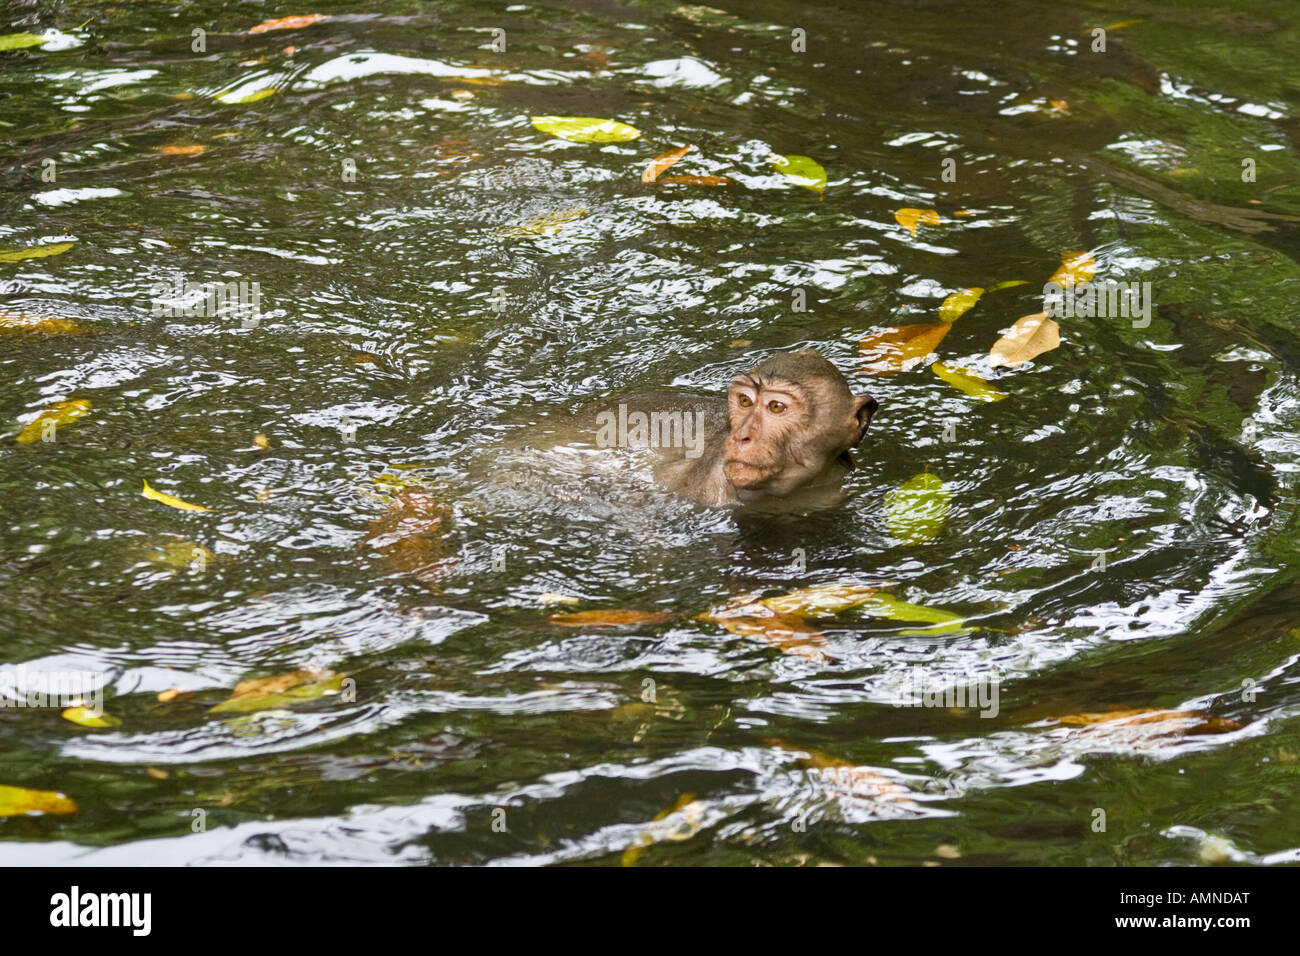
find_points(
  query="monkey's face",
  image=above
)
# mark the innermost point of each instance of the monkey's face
(785, 434)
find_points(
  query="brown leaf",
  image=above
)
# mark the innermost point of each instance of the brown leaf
(410, 535)
(289, 23)
(900, 347)
(13, 324)
(1030, 336)
(1163, 722)
(662, 162)
(785, 632)
(847, 776)
(614, 617)
(692, 180)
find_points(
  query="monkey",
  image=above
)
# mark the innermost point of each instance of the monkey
(782, 438)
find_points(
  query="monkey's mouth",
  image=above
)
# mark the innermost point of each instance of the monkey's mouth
(744, 474)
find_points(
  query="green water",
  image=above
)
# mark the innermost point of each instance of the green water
(476, 276)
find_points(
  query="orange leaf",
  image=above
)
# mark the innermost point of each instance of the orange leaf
(692, 180)
(1075, 267)
(1164, 721)
(410, 535)
(908, 218)
(662, 162)
(1030, 336)
(611, 618)
(182, 150)
(289, 23)
(13, 324)
(786, 632)
(900, 347)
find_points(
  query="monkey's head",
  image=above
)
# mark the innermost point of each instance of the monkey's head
(791, 417)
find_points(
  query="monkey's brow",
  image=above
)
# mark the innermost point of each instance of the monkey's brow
(758, 383)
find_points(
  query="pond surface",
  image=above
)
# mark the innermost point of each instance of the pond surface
(437, 277)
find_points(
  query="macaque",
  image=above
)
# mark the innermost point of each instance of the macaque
(784, 438)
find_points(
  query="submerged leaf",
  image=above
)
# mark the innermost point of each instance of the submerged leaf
(786, 632)
(410, 536)
(614, 617)
(272, 693)
(544, 225)
(900, 347)
(14, 324)
(845, 776)
(1163, 721)
(585, 129)
(959, 303)
(192, 150)
(692, 819)
(15, 801)
(85, 717)
(820, 601)
(1075, 267)
(289, 23)
(1030, 336)
(20, 41)
(968, 382)
(692, 180)
(242, 95)
(662, 162)
(56, 416)
(35, 252)
(887, 606)
(802, 171)
(916, 510)
(170, 500)
(1010, 283)
(908, 218)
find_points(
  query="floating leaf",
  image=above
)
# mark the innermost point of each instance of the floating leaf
(59, 414)
(289, 23)
(959, 303)
(909, 218)
(14, 324)
(19, 41)
(900, 347)
(35, 252)
(662, 162)
(545, 225)
(802, 171)
(191, 150)
(1075, 267)
(692, 180)
(968, 382)
(844, 775)
(85, 717)
(614, 617)
(15, 801)
(273, 693)
(693, 818)
(1030, 336)
(820, 601)
(585, 129)
(170, 500)
(241, 95)
(916, 510)
(261, 441)
(549, 599)
(1006, 285)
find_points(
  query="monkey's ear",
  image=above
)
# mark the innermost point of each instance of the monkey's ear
(864, 406)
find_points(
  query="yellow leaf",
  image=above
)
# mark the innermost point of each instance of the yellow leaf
(545, 225)
(261, 441)
(193, 150)
(1075, 267)
(959, 303)
(289, 23)
(1006, 285)
(647, 839)
(14, 324)
(20, 41)
(916, 510)
(968, 382)
(909, 218)
(35, 252)
(898, 348)
(237, 96)
(15, 801)
(58, 415)
(85, 717)
(170, 500)
(611, 618)
(273, 693)
(820, 601)
(585, 129)
(1030, 336)
(662, 162)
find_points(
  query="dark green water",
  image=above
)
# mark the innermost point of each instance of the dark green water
(409, 303)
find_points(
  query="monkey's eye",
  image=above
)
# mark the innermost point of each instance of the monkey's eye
(744, 400)
(775, 407)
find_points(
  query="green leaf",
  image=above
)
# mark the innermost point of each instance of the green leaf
(1007, 285)
(85, 717)
(916, 510)
(35, 252)
(802, 171)
(888, 606)
(19, 41)
(585, 129)
(274, 693)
